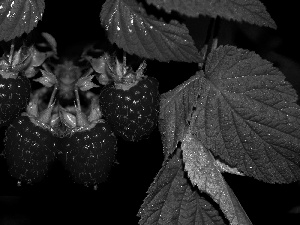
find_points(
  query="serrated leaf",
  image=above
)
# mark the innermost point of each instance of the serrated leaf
(203, 172)
(171, 200)
(175, 110)
(132, 29)
(19, 16)
(250, 11)
(247, 116)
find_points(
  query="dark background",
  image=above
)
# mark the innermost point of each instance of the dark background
(74, 24)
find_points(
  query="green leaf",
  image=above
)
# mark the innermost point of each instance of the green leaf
(250, 11)
(175, 110)
(17, 17)
(132, 29)
(203, 172)
(171, 200)
(248, 116)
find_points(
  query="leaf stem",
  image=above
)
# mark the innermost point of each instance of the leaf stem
(52, 96)
(12, 48)
(211, 38)
(124, 63)
(77, 99)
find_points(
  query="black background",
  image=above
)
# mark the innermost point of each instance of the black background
(57, 200)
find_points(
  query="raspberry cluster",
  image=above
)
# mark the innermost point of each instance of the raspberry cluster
(65, 119)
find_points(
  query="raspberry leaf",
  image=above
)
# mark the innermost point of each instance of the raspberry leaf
(250, 11)
(128, 25)
(203, 172)
(17, 17)
(248, 116)
(175, 109)
(171, 200)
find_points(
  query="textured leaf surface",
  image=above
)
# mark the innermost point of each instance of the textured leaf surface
(251, 11)
(247, 115)
(19, 16)
(175, 109)
(203, 172)
(137, 33)
(171, 200)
